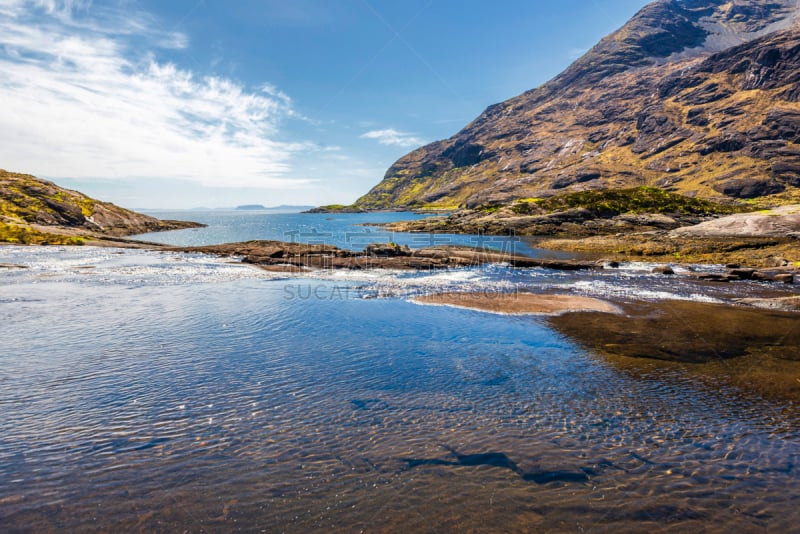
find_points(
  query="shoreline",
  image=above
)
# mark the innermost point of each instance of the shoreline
(761, 259)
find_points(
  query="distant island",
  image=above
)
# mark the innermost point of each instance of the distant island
(282, 207)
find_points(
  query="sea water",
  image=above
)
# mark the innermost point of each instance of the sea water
(149, 391)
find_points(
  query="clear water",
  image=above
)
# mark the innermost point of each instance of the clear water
(352, 231)
(168, 392)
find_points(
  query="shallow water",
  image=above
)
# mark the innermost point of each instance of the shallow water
(148, 391)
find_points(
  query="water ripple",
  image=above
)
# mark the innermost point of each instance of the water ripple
(135, 401)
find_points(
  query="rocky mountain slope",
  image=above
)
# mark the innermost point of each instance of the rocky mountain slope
(33, 210)
(699, 97)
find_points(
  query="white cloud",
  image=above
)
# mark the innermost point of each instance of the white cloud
(79, 101)
(392, 137)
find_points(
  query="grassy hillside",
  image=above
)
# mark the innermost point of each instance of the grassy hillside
(664, 102)
(35, 211)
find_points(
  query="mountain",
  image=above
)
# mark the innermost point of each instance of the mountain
(33, 210)
(699, 97)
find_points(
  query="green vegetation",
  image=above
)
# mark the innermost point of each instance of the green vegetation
(439, 207)
(27, 199)
(336, 207)
(34, 211)
(607, 203)
(490, 208)
(11, 233)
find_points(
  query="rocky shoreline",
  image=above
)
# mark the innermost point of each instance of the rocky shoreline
(296, 257)
(752, 239)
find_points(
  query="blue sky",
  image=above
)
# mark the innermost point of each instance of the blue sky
(179, 104)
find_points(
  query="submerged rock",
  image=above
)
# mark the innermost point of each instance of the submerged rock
(387, 250)
(687, 331)
(521, 303)
(780, 304)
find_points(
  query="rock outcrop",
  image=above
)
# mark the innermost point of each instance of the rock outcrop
(778, 222)
(33, 210)
(291, 257)
(695, 96)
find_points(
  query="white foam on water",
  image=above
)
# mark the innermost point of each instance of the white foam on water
(111, 265)
(602, 288)
(632, 281)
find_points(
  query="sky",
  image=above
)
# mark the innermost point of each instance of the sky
(215, 103)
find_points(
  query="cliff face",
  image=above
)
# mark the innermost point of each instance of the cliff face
(696, 96)
(36, 205)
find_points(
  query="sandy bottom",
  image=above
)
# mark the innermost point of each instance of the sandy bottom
(520, 303)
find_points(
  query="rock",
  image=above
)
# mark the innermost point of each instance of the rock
(291, 256)
(521, 303)
(783, 277)
(684, 331)
(749, 187)
(607, 264)
(51, 214)
(283, 268)
(742, 273)
(714, 277)
(778, 222)
(387, 250)
(727, 143)
(781, 304)
(663, 269)
(776, 261)
(655, 220)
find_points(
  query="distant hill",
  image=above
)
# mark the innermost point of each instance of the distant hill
(33, 210)
(699, 97)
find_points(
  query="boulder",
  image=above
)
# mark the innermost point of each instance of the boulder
(783, 277)
(742, 273)
(749, 187)
(663, 269)
(387, 250)
(776, 261)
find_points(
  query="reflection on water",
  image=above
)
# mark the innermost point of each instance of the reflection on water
(219, 401)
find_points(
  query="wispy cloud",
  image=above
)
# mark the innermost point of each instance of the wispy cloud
(84, 96)
(392, 137)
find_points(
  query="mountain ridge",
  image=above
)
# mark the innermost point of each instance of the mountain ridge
(620, 116)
